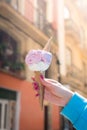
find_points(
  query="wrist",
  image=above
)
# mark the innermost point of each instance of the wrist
(70, 94)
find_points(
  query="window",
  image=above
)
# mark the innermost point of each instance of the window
(7, 114)
(8, 48)
(40, 13)
(7, 109)
(3, 114)
(11, 59)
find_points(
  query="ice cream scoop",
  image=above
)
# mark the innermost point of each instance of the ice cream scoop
(39, 61)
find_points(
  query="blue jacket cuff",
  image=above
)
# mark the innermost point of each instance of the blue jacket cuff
(74, 108)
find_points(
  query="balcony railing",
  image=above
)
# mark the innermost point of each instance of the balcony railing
(17, 69)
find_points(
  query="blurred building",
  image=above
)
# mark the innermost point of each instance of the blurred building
(22, 27)
(28, 24)
(76, 47)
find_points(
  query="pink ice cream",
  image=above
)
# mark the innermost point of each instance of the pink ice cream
(38, 60)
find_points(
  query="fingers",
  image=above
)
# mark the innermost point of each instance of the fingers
(49, 84)
(45, 82)
(48, 94)
(53, 99)
(35, 86)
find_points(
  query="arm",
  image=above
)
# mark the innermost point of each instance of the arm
(75, 106)
(76, 111)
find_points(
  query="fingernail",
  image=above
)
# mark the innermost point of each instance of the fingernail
(36, 87)
(41, 76)
(35, 84)
(37, 94)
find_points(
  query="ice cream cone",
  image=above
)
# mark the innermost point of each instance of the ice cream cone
(41, 89)
(47, 47)
(38, 73)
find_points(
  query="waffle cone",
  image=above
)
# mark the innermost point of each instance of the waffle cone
(38, 73)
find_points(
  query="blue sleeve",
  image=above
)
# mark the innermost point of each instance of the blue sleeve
(76, 111)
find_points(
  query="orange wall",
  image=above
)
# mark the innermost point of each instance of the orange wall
(31, 115)
(55, 118)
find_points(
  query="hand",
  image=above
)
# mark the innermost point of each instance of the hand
(55, 92)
